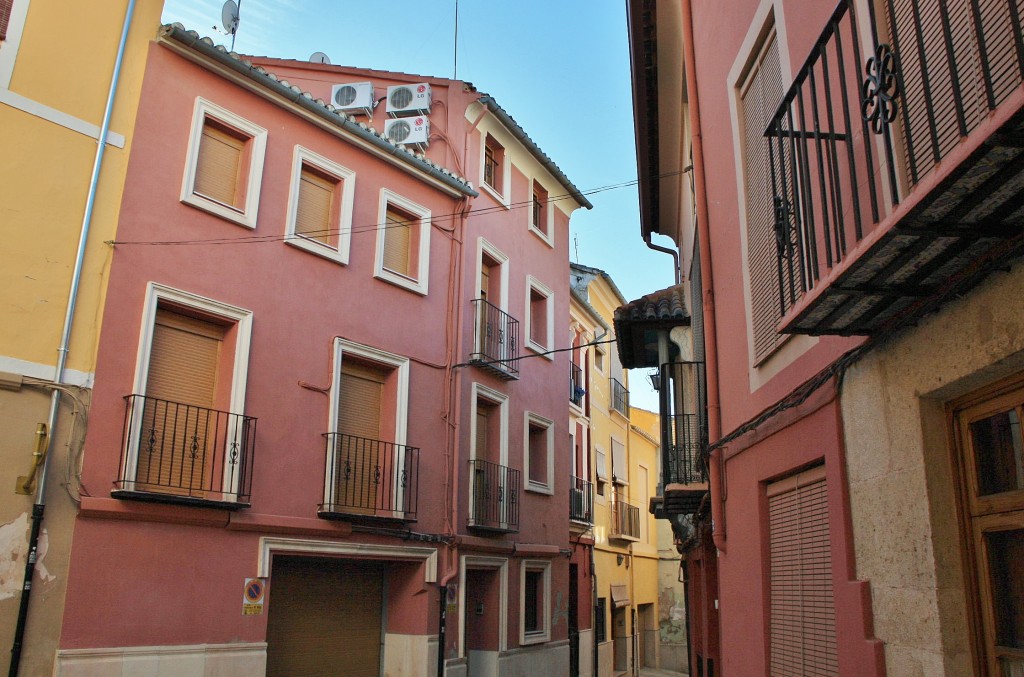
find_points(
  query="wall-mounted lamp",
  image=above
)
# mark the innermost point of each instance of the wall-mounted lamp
(655, 380)
(618, 559)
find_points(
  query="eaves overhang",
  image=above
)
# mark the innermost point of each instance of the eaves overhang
(520, 134)
(217, 58)
(638, 323)
(643, 58)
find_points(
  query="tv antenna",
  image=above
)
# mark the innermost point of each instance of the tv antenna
(319, 57)
(229, 19)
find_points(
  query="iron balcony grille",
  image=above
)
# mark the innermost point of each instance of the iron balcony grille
(494, 497)
(496, 340)
(175, 452)
(687, 460)
(576, 389)
(369, 478)
(620, 398)
(581, 501)
(625, 521)
(856, 133)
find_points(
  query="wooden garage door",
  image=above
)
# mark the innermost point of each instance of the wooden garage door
(803, 614)
(324, 618)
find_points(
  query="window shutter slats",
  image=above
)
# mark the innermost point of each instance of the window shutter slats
(313, 212)
(218, 165)
(5, 16)
(359, 406)
(397, 241)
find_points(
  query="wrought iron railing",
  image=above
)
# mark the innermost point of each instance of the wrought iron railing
(625, 520)
(853, 135)
(620, 398)
(576, 389)
(494, 496)
(683, 423)
(180, 452)
(581, 500)
(370, 478)
(496, 340)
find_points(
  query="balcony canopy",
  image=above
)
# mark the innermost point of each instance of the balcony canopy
(638, 323)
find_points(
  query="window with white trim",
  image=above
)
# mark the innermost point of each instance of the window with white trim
(320, 206)
(539, 453)
(224, 164)
(186, 425)
(601, 461)
(620, 471)
(403, 243)
(535, 602)
(5, 15)
(541, 213)
(540, 316)
(495, 169)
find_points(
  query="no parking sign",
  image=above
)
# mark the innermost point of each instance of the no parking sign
(253, 595)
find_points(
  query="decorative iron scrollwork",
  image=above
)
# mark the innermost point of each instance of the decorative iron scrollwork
(785, 229)
(880, 89)
(193, 448)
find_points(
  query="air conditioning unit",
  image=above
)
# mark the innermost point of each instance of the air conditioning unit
(353, 98)
(409, 131)
(406, 100)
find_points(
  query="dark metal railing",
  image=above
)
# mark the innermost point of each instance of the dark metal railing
(576, 389)
(179, 451)
(683, 423)
(620, 398)
(625, 520)
(852, 136)
(370, 477)
(581, 500)
(496, 340)
(494, 496)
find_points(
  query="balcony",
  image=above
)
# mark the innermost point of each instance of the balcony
(625, 524)
(495, 341)
(683, 437)
(494, 497)
(576, 389)
(581, 501)
(369, 479)
(179, 453)
(895, 193)
(620, 398)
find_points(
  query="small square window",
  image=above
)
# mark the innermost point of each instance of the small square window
(495, 174)
(320, 206)
(540, 213)
(599, 359)
(535, 619)
(539, 453)
(224, 164)
(540, 316)
(403, 243)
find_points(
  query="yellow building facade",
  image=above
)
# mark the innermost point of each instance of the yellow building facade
(622, 464)
(59, 64)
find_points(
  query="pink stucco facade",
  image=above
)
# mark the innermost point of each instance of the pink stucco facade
(166, 576)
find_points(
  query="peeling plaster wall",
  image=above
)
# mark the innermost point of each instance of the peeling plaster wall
(902, 487)
(673, 650)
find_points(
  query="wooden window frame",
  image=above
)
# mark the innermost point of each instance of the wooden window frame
(495, 154)
(541, 209)
(340, 220)
(535, 286)
(419, 244)
(250, 171)
(982, 514)
(543, 567)
(532, 421)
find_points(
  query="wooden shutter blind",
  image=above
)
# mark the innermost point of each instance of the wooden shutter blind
(928, 54)
(5, 16)
(619, 468)
(482, 432)
(803, 616)
(359, 407)
(398, 242)
(219, 163)
(759, 97)
(313, 213)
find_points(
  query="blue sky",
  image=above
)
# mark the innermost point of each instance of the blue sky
(560, 68)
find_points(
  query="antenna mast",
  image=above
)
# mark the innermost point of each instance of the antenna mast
(455, 69)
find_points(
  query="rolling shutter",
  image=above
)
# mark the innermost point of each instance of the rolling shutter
(803, 616)
(177, 439)
(5, 16)
(359, 414)
(324, 617)
(219, 164)
(313, 213)
(397, 243)
(759, 97)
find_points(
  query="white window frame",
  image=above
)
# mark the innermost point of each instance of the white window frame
(246, 216)
(9, 52)
(344, 191)
(485, 247)
(242, 321)
(549, 216)
(504, 194)
(619, 480)
(543, 635)
(480, 391)
(499, 564)
(535, 285)
(400, 365)
(600, 350)
(416, 284)
(538, 421)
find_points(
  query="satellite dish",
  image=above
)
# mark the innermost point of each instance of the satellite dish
(317, 57)
(229, 17)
